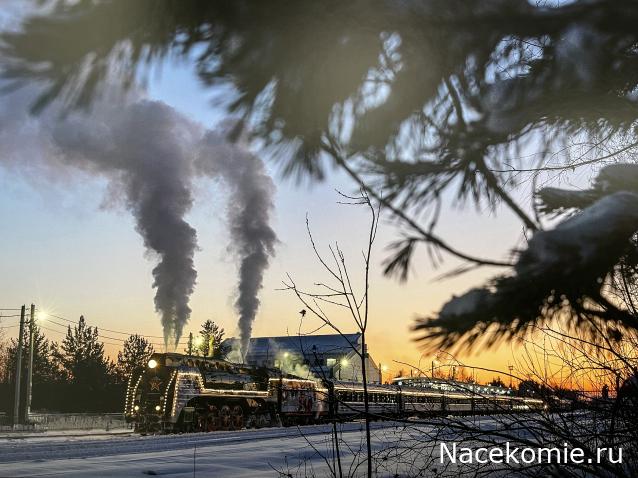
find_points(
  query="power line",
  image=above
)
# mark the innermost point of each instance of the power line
(114, 331)
(99, 329)
(102, 336)
(60, 332)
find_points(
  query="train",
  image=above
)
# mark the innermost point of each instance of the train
(185, 393)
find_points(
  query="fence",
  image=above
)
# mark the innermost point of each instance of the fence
(68, 421)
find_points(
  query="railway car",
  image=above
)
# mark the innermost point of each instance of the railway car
(349, 400)
(299, 401)
(185, 393)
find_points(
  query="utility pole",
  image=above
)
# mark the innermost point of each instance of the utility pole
(190, 343)
(16, 403)
(511, 367)
(27, 408)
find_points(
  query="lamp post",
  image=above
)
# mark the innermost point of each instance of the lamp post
(342, 364)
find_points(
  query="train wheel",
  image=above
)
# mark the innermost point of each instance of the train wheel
(224, 418)
(212, 423)
(262, 420)
(200, 423)
(237, 415)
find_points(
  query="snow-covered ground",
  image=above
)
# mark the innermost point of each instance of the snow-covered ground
(245, 453)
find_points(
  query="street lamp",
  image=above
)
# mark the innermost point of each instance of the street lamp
(383, 368)
(342, 364)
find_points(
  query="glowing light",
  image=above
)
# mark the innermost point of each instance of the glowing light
(385, 368)
(286, 354)
(41, 315)
(136, 408)
(344, 362)
(198, 341)
(157, 408)
(152, 363)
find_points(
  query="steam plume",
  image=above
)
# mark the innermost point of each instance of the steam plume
(249, 211)
(145, 148)
(151, 153)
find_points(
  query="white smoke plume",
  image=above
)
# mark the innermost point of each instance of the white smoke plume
(147, 150)
(249, 212)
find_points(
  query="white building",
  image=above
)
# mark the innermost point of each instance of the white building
(325, 356)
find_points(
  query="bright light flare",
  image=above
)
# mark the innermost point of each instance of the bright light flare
(152, 363)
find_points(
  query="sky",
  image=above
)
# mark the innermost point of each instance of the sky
(69, 252)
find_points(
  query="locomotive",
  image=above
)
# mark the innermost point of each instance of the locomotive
(184, 393)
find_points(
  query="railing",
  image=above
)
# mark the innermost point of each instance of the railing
(68, 421)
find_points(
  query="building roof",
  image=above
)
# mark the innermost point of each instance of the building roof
(323, 344)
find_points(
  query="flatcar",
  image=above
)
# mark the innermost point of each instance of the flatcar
(183, 393)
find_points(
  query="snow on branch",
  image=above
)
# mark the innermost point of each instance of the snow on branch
(563, 270)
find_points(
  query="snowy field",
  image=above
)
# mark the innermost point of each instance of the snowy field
(245, 453)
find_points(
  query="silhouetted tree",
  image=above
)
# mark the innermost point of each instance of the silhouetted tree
(529, 388)
(47, 378)
(81, 355)
(134, 355)
(86, 369)
(45, 368)
(341, 293)
(497, 382)
(4, 358)
(211, 335)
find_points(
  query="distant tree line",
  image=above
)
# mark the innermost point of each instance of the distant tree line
(75, 375)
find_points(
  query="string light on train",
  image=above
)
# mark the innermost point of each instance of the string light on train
(136, 407)
(128, 393)
(166, 393)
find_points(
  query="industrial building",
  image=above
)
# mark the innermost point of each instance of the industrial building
(325, 356)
